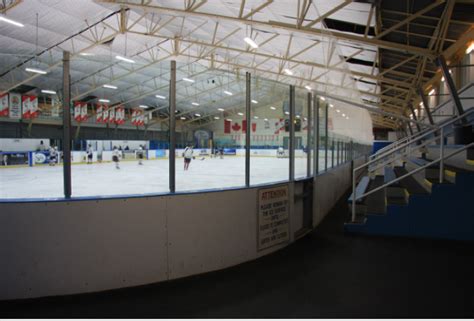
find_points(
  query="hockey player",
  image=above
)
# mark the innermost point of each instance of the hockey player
(140, 155)
(116, 155)
(53, 155)
(188, 155)
(90, 154)
(280, 152)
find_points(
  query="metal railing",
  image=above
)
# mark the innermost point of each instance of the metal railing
(405, 147)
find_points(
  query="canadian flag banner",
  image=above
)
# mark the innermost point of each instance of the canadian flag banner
(112, 115)
(34, 110)
(136, 117)
(105, 113)
(25, 106)
(99, 113)
(279, 126)
(84, 112)
(4, 105)
(77, 111)
(119, 116)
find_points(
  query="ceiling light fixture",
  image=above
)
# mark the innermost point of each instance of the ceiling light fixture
(322, 98)
(228, 93)
(266, 119)
(86, 54)
(188, 80)
(272, 108)
(36, 71)
(220, 109)
(228, 119)
(195, 104)
(216, 118)
(331, 105)
(251, 42)
(470, 48)
(143, 106)
(240, 114)
(51, 92)
(110, 86)
(288, 72)
(197, 115)
(125, 59)
(183, 118)
(432, 91)
(104, 100)
(254, 101)
(12, 22)
(442, 79)
(287, 113)
(160, 97)
(343, 115)
(338, 111)
(308, 87)
(256, 117)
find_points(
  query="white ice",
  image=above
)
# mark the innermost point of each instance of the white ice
(103, 179)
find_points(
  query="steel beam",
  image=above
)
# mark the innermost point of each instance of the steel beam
(66, 126)
(172, 128)
(248, 106)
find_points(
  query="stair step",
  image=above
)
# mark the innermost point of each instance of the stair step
(436, 181)
(376, 201)
(409, 183)
(396, 201)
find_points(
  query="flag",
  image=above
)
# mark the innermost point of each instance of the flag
(4, 105)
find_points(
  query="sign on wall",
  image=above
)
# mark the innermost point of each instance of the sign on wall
(15, 106)
(273, 216)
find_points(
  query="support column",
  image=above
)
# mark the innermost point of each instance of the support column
(309, 136)
(291, 144)
(449, 81)
(247, 127)
(326, 144)
(66, 125)
(415, 118)
(316, 134)
(426, 105)
(172, 128)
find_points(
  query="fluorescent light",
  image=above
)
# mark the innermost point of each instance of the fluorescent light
(195, 104)
(432, 91)
(251, 42)
(220, 109)
(442, 78)
(216, 118)
(188, 80)
(228, 93)
(305, 118)
(104, 100)
(331, 105)
(110, 86)
(183, 118)
(343, 115)
(347, 117)
(256, 117)
(308, 87)
(228, 119)
(288, 72)
(160, 97)
(272, 108)
(125, 59)
(254, 101)
(322, 98)
(287, 113)
(470, 48)
(36, 71)
(240, 114)
(338, 111)
(420, 104)
(51, 92)
(143, 106)
(12, 22)
(266, 119)
(298, 116)
(197, 115)
(86, 54)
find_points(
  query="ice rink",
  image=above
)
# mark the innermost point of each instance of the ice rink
(103, 179)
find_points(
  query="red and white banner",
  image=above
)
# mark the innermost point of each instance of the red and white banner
(84, 112)
(77, 111)
(134, 120)
(105, 114)
(112, 115)
(15, 106)
(4, 105)
(29, 107)
(34, 109)
(99, 113)
(119, 115)
(25, 107)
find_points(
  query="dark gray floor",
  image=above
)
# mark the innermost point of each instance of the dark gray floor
(326, 274)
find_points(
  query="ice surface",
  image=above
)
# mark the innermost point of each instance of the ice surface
(102, 179)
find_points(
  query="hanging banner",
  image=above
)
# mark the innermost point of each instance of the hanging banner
(4, 105)
(273, 216)
(112, 115)
(84, 112)
(25, 107)
(99, 113)
(55, 105)
(134, 117)
(105, 113)
(34, 109)
(77, 111)
(15, 106)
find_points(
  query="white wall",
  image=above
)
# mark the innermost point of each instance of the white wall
(22, 144)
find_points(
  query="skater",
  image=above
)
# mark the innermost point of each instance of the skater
(280, 152)
(5, 160)
(90, 154)
(116, 155)
(53, 154)
(188, 155)
(140, 155)
(221, 153)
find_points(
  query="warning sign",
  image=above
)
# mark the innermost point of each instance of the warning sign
(273, 216)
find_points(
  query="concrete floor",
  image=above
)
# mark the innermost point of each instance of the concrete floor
(326, 274)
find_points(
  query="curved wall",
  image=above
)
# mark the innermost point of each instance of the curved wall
(66, 247)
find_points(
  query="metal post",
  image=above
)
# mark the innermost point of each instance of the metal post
(452, 88)
(247, 127)
(292, 133)
(415, 118)
(326, 133)
(338, 153)
(66, 125)
(316, 135)
(441, 156)
(309, 136)
(172, 128)
(332, 153)
(426, 105)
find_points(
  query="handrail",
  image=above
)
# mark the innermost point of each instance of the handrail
(452, 121)
(441, 135)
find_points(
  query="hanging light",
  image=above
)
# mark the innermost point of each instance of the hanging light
(104, 100)
(228, 92)
(254, 101)
(288, 72)
(12, 22)
(251, 42)
(220, 109)
(110, 86)
(46, 91)
(160, 97)
(188, 80)
(125, 59)
(195, 104)
(36, 71)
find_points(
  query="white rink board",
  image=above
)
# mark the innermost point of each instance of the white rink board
(152, 177)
